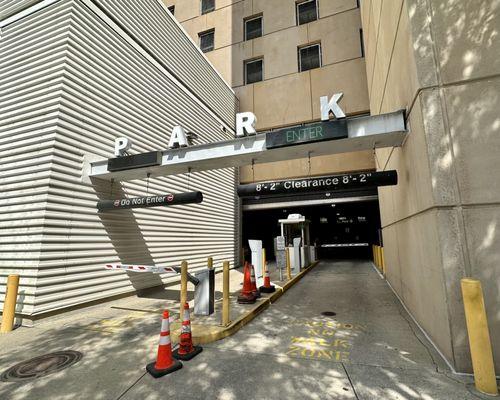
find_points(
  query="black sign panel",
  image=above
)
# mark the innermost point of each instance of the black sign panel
(151, 201)
(320, 184)
(136, 161)
(317, 132)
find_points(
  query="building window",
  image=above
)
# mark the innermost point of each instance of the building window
(307, 11)
(207, 40)
(362, 42)
(207, 6)
(309, 57)
(253, 28)
(254, 71)
(171, 9)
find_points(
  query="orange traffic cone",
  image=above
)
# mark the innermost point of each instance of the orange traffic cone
(267, 288)
(254, 284)
(186, 350)
(246, 295)
(164, 364)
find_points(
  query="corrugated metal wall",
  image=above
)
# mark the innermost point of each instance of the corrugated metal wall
(102, 86)
(166, 40)
(32, 56)
(9, 7)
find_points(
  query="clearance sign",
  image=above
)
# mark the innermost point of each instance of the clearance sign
(319, 184)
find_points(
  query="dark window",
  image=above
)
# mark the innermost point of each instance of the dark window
(207, 41)
(309, 57)
(171, 9)
(207, 6)
(306, 12)
(253, 71)
(253, 28)
(362, 41)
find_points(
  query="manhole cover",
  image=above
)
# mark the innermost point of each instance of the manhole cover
(41, 366)
(328, 314)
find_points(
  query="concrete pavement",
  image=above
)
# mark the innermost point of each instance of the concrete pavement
(369, 350)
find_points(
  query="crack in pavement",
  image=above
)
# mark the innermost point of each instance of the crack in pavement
(131, 386)
(350, 381)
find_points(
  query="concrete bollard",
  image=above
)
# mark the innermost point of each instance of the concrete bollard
(288, 266)
(225, 294)
(184, 282)
(210, 262)
(479, 337)
(9, 304)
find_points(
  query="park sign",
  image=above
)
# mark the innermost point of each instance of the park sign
(245, 126)
(150, 201)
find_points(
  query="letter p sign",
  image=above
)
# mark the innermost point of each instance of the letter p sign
(122, 144)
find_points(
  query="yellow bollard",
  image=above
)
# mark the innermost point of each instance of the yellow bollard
(479, 337)
(288, 266)
(210, 262)
(382, 259)
(376, 255)
(225, 294)
(184, 283)
(379, 257)
(9, 304)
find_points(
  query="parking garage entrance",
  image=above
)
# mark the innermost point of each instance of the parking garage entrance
(341, 226)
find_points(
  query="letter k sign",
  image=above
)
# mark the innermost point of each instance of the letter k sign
(327, 106)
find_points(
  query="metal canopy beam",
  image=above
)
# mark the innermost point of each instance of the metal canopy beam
(364, 133)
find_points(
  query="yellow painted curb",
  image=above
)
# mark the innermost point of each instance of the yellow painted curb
(203, 334)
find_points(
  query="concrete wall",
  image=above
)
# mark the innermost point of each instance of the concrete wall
(285, 96)
(439, 60)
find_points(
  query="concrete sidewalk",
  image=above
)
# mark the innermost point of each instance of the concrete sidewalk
(369, 350)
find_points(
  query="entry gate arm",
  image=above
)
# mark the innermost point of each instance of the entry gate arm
(364, 133)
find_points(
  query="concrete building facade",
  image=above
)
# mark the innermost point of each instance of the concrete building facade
(286, 96)
(439, 61)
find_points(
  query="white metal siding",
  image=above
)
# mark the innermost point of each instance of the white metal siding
(150, 24)
(9, 7)
(95, 86)
(31, 78)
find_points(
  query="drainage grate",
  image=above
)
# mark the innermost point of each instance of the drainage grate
(41, 366)
(328, 314)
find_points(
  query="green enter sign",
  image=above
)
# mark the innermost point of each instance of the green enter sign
(305, 134)
(317, 132)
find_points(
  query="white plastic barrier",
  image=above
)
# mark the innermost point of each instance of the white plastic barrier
(256, 248)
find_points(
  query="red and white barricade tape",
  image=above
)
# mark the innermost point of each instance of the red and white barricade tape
(142, 268)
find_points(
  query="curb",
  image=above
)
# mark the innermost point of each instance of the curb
(219, 332)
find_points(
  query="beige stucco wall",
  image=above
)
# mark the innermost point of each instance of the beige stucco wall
(285, 96)
(439, 60)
